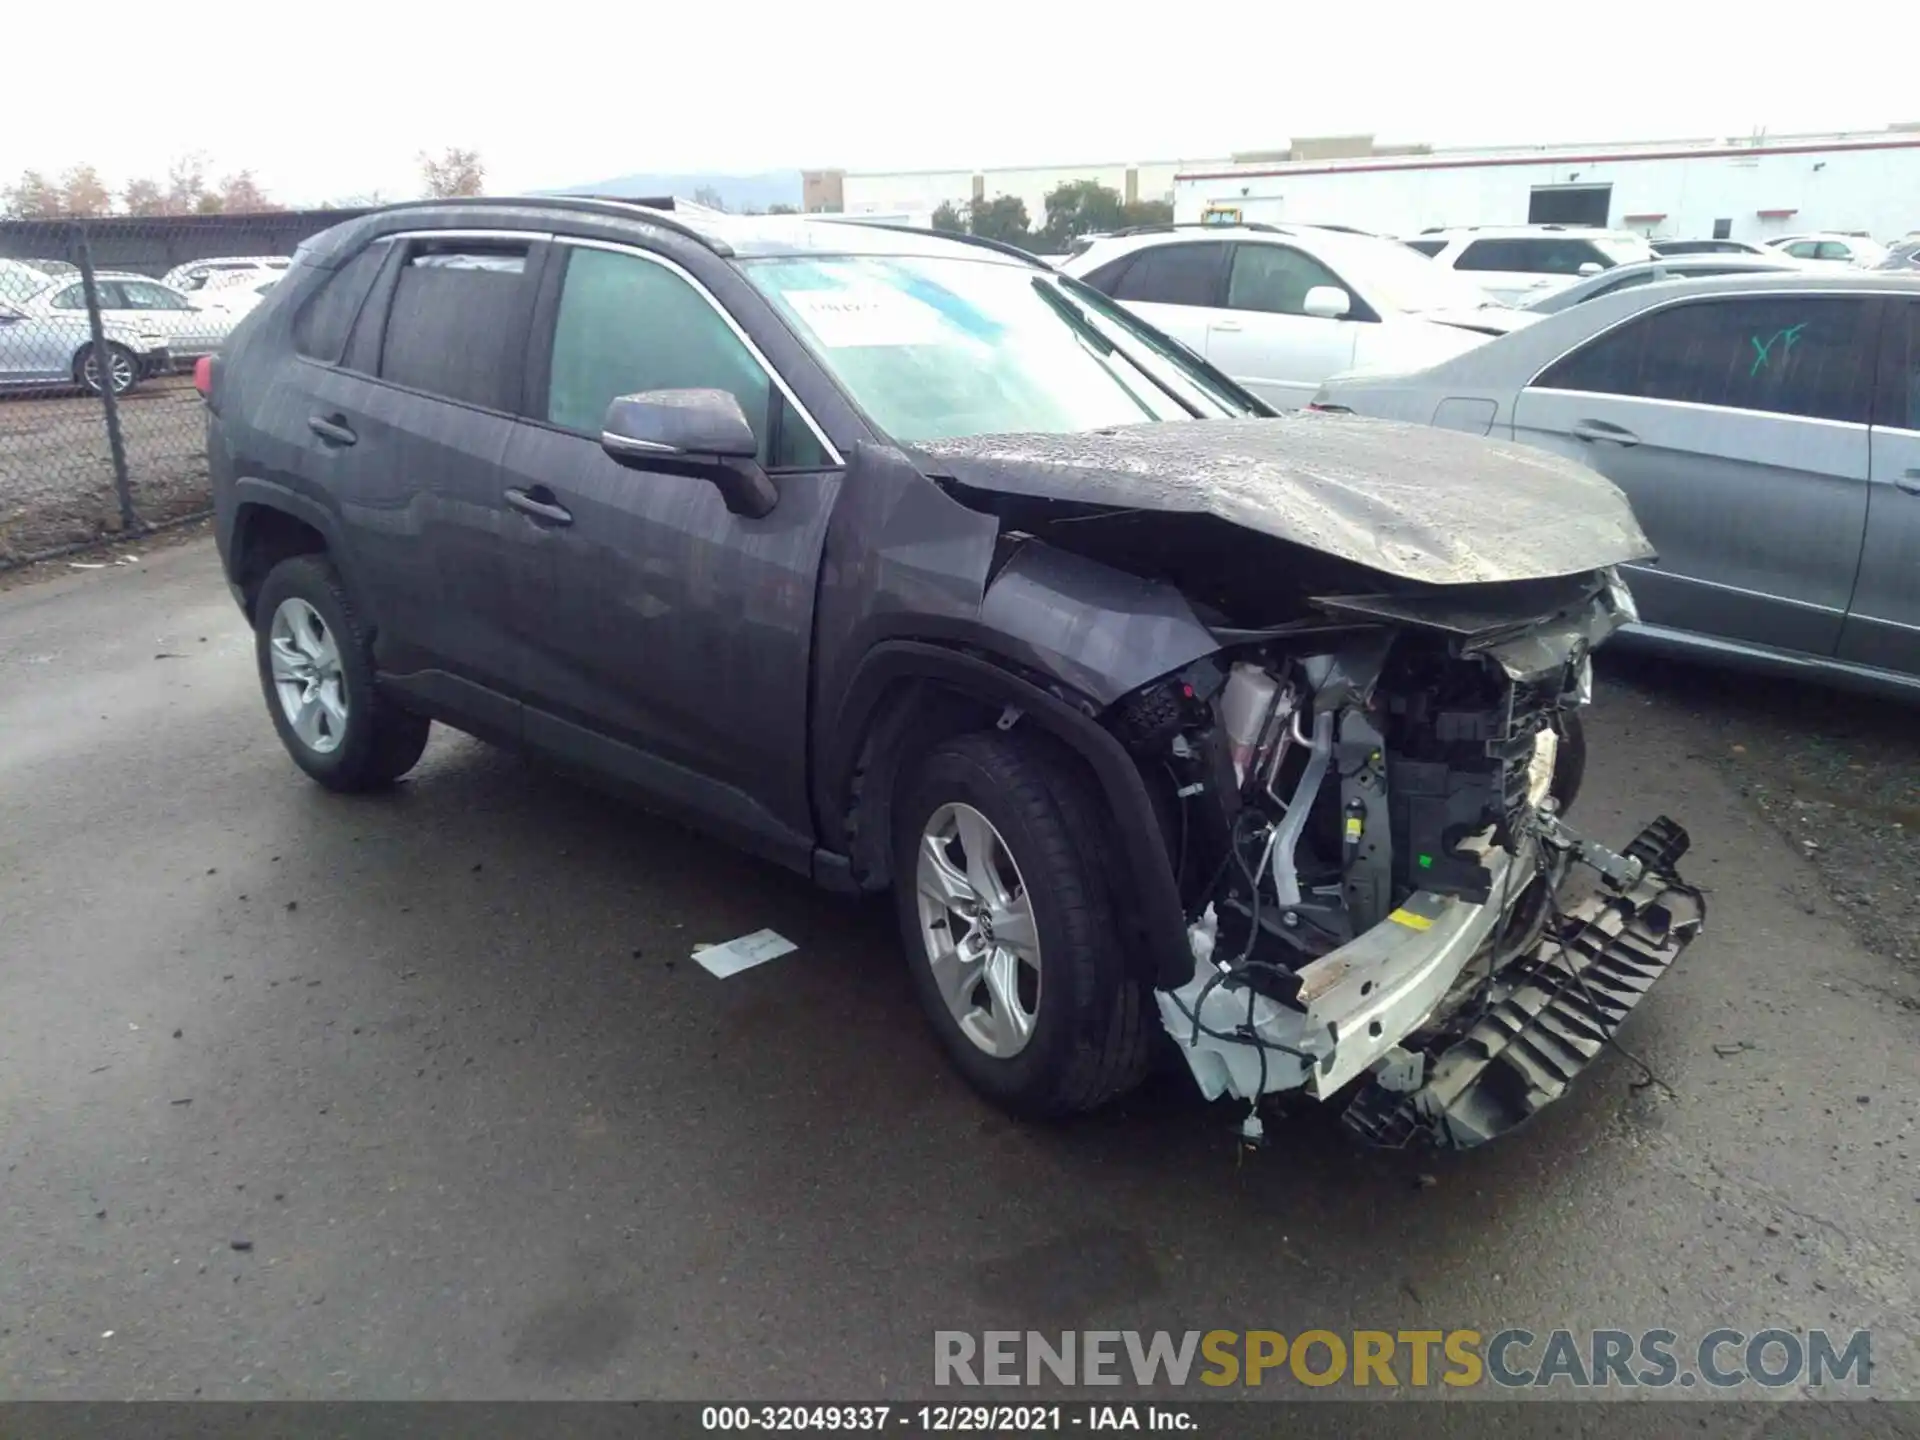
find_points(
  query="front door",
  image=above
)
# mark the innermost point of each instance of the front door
(1737, 428)
(1883, 626)
(675, 636)
(1265, 339)
(1177, 287)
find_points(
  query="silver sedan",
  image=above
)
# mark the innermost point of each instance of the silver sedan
(1651, 272)
(1766, 429)
(42, 350)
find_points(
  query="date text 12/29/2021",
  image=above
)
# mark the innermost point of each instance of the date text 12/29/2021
(946, 1419)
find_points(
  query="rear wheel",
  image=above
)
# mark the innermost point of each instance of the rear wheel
(122, 369)
(316, 668)
(1004, 908)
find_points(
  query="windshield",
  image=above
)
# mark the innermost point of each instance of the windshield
(1392, 276)
(934, 348)
(18, 281)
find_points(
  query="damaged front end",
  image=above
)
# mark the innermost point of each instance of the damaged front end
(1382, 891)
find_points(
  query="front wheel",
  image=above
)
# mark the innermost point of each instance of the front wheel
(316, 667)
(123, 369)
(1005, 910)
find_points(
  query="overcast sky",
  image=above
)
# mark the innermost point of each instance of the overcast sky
(331, 100)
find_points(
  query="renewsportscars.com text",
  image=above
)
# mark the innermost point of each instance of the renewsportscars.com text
(1512, 1358)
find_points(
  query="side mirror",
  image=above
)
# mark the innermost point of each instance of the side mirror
(1592, 267)
(1326, 302)
(701, 433)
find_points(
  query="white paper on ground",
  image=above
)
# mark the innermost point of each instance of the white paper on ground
(744, 953)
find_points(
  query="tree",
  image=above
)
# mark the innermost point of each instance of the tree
(778, 209)
(240, 194)
(33, 197)
(187, 186)
(1147, 212)
(1080, 207)
(143, 197)
(947, 216)
(83, 194)
(1002, 218)
(708, 196)
(452, 172)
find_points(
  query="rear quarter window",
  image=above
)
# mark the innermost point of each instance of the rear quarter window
(321, 328)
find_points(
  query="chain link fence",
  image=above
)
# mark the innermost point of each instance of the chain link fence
(101, 321)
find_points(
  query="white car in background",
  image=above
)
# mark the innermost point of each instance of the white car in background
(1824, 247)
(197, 274)
(1519, 263)
(1281, 308)
(143, 305)
(235, 293)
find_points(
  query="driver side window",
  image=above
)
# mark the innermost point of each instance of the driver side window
(627, 324)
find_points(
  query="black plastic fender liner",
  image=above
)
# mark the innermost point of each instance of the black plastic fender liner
(1149, 886)
(1559, 1006)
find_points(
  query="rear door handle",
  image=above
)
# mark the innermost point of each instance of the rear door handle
(1909, 482)
(332, 429)
(540, 504)
(1604, 430)
(1231, 327)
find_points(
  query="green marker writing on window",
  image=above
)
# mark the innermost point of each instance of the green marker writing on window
(1763, 352)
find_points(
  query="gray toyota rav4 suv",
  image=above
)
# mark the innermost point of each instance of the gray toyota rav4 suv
(912, 565)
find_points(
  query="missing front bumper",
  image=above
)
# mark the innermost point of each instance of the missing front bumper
(1548, 1014)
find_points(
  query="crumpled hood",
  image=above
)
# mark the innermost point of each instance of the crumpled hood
(1432, 506)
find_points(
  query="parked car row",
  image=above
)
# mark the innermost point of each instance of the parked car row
(149, 325)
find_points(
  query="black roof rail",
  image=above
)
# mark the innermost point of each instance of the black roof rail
(655, 210)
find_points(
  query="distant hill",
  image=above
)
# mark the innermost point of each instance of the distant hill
(736, 192)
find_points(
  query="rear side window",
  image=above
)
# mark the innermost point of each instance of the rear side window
(1189, 274)
(1899, 404)
(1787, 355)
(321, 328)
(1428, 248)
(626, 325)
(457, 320)
(1106, 277)
(1532, 256)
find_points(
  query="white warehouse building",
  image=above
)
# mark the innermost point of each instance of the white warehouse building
(900, 194)
(1740, 189)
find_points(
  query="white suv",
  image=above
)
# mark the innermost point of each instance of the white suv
(1855, 250)
(1518, 263)
(1282, 308)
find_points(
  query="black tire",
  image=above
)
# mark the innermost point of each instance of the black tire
(379, 742)
(1095, 1025)
(123, 369)
(1569, 759)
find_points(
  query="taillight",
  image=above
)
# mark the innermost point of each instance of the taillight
(203, 376)
(1328, 409)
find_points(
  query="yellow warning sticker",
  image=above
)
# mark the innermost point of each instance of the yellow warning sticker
(1411, 920)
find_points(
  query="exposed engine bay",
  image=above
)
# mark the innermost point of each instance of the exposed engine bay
(1377, 875)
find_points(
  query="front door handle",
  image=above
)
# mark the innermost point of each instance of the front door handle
(332, 429)
(1604, 430)
(1230, 327)
(1909, 483)
(540, 504)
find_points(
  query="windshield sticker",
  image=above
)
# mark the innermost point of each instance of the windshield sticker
(853, 316)
(1763, 352)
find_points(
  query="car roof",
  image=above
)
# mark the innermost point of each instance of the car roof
(727, 235)
(1525, 232)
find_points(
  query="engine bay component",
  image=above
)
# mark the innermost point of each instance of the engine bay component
(1384, 902)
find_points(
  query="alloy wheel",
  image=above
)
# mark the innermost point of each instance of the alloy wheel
(307, 676)
(978, 931)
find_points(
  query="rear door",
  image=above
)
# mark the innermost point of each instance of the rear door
(1737, 427)
(413, 423)
(1265, 339)
(1883, 626)
(1179, 287)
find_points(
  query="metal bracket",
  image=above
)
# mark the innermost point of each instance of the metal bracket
(1400, 1070)
(1620, 871)
(1009, 718)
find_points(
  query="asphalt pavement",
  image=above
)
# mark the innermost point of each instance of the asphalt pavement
(422, 1096)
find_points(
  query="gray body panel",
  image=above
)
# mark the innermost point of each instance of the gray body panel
(1786, 543)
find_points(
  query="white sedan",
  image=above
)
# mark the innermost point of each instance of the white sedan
(1281, 308)
(140, 303)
